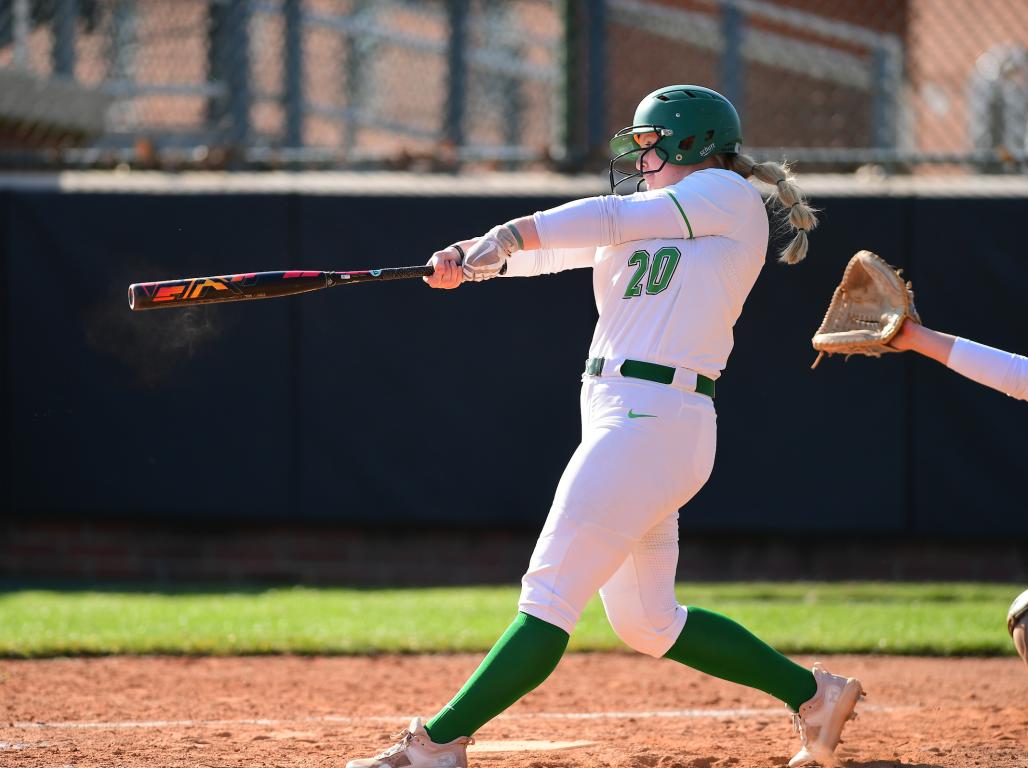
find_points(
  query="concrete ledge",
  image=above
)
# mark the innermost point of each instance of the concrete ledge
(409, 184)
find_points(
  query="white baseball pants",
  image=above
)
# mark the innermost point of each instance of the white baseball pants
(646, 449)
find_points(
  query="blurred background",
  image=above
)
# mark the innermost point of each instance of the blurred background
(910, 85)
(334, 438)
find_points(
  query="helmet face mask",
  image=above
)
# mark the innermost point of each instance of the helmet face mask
(680, 124)
(629, 146)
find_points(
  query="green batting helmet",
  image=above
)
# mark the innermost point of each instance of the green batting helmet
(682, 124)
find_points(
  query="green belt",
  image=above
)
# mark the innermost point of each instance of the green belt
(662, 374)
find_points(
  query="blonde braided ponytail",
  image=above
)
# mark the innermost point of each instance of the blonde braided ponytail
(801, 216)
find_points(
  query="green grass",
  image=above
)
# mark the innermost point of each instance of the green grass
(937, 619)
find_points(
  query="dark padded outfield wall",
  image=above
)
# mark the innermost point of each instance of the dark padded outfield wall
(788, 436)
(427, 406)
(6, 363)
(161, 413)
(392, 404)
(968, 459)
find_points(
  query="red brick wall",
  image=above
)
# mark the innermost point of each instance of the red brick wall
(169, 555)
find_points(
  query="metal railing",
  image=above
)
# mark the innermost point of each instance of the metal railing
(502, 83)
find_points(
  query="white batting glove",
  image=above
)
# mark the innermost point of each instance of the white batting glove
(488, 257)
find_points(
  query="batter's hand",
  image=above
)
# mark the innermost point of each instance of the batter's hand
(447, 264)
(487, 258)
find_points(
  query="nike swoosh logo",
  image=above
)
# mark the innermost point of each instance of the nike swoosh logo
(633, 415)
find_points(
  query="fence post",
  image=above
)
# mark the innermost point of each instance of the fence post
(123, 40)
(293, 92)
(505, 91)
(123, 57)
(238, 80)
(456, 97)
(597, 103)
(569, 128)
(228, 63)
(883, 128)
(359, 64)
(217, 66)
(65, 18)
(20, 29)
(733, 23)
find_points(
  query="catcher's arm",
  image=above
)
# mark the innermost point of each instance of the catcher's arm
(914, 337)
(1003, 371)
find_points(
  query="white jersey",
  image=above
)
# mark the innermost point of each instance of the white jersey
(671, 267)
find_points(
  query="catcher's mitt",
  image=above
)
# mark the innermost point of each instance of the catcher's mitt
(1017, 624)
(867, 310)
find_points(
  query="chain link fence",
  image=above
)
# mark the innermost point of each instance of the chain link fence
(904, 85)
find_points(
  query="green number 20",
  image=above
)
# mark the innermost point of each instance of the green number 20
(661, 270)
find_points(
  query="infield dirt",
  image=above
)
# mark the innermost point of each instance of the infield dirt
(638, 712)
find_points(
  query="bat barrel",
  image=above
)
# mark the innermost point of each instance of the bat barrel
(223, 288)
(254, 285)
(142, 295)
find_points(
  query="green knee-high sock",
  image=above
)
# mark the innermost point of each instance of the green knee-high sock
(522, 658)
(716, 645)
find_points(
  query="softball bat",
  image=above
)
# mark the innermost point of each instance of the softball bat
(191, 291)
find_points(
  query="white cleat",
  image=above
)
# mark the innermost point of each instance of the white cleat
(820, 721)
(416, 750)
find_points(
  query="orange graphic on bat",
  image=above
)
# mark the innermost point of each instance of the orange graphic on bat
(208, 283)
(168, 292)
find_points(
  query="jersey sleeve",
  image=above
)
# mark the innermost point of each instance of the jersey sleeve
(546, 261)
(609, 220)
(714, 203)
(711, 202)
(1003, 371)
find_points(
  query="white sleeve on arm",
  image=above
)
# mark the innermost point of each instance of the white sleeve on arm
(610, 220)
(714, 202)
(546, 261)
(705, 203)
(1003, 371)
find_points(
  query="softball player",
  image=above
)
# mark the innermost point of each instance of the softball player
(672, 267)
(1003, 371)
